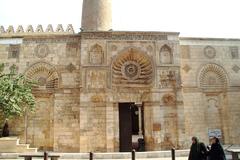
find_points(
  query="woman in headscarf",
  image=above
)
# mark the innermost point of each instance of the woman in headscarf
(216, 151)
(198, 150)
(5, 132)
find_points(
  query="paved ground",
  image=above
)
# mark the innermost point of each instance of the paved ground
(177, 158)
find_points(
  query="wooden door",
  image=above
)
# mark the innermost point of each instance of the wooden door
(125, 127)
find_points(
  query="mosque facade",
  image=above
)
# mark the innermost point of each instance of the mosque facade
(103, 90)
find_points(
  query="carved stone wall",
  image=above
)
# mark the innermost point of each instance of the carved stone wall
(82, 78)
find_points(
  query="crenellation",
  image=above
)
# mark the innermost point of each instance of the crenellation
(49, 28)
(29, 29)
(2, 29)
(59, 28)
(10, 29)
(39, 29)
(20, 31)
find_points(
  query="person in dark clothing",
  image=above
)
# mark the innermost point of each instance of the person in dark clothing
(216, 151)
(5, 132)
(198, 150)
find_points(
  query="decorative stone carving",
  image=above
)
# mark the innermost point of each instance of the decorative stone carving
(236, 68)
(210, 52)
(212, 76)
(166, 56)
(14, 51)
(131, 70)
(124, 36)
(42, 81)
(71, 67)
(96, 55)
(96, 79)
(186, 68)
(169, 78)
(71, 49)
(114, 48)
(44, 74)
(169, 99)
(213, 114)
(132, 67)
(150, 49)
(42, 50)
(234, 52)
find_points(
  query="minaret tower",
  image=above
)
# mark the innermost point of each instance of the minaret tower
(97, 15)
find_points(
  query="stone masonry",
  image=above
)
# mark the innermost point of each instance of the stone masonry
(187, 86)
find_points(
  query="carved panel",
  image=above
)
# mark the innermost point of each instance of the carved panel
(236, 68)
(234, 52)
(210, 52)
(14, 51)
(132, 67)
(186, 68)
(71, 67)
(96, 79)
(166, 56)
(96, 55)
(169, 99)
(169, 78)
(42, 50)
(71, 49)
(213, 113)
(212, 76)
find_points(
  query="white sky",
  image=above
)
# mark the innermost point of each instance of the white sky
(194, 18)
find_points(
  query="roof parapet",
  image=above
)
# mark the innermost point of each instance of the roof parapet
(29, 31)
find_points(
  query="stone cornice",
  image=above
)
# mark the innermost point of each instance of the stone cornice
(122, 35)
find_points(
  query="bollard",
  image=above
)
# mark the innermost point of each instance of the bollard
(45, 156)
(133, 154)
(234, 156)
(173, 154)
(90, 156)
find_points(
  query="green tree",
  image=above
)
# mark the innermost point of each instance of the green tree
(16, 98)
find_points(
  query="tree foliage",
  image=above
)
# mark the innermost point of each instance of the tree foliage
(16, 96)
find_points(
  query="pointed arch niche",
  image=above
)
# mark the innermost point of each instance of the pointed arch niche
(166, 55)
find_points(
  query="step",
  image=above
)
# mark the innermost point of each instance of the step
(8, 144)
(11, 145)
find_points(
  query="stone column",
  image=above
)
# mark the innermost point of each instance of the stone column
(97, 15)
(140, 119)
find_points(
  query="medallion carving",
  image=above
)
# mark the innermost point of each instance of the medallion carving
(210, 52)
(131, 70)
(42, 50)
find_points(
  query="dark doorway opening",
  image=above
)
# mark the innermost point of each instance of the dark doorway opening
(130, 126)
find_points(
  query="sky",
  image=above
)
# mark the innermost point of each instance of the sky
(192, 18)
